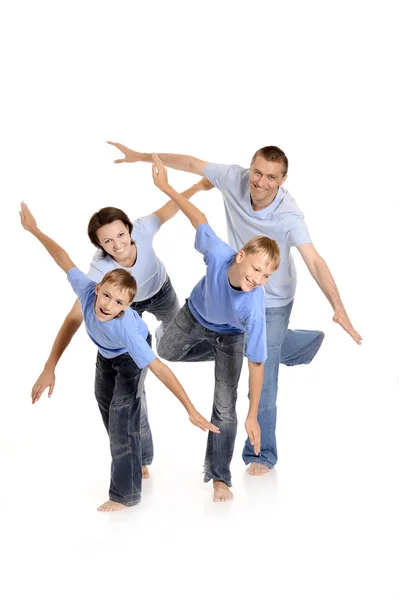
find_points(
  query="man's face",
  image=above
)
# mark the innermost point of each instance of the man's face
(264, 180)
(110, 301)
(253, 270)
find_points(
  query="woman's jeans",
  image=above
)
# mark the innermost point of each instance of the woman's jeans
(186, 340)
(288, 347)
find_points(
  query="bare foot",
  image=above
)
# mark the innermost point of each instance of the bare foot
(221, 492)
(145, 472)
(258, 469)
(110, 506)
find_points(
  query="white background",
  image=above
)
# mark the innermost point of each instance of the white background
(216, 80)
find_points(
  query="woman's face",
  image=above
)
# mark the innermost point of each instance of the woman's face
(115, 239)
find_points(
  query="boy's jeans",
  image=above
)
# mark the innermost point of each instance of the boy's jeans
(186, 340)
(119, 385)
(288, 347)
(164, 305)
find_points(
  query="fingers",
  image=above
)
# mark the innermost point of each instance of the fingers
(121, 148)
(51, 388)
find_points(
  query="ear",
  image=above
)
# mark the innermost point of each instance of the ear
(239, 256)
(97, 288)
(284, 178)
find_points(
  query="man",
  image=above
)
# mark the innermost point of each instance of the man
(257, 204)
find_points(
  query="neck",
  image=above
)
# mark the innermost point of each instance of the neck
(261, 204)
(233, 277)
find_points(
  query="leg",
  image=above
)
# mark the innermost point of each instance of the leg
(147, 446)
(164, 306)
(276, 326)
(229, 351)
(300, 346)
(185, 340)
(124, 434)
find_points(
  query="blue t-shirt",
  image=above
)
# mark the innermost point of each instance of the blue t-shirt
(282, 221)
(221, 308)
(127, 333)
(148, 270)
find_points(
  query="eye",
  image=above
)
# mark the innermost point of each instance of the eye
(121, 234)
(106, 242)
(119, 302)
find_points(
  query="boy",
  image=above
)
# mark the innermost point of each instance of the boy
(122, 361)
(226, 308)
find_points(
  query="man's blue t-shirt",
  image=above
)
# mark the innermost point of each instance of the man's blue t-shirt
(221, 308)
(282, 221)
(127, 333)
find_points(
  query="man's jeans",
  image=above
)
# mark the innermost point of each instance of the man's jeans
(186, 340)
(119, 385)
(288, 347)
(164, 305)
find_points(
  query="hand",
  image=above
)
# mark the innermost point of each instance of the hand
(130, 155)
(204, 184)
(253, 431)
(342, 319)
(27, 219)
(199, 421)
(159, 173)
(46, 380)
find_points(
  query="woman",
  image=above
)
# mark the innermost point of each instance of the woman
(122, 243)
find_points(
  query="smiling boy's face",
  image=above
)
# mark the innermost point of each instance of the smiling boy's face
(110, 301)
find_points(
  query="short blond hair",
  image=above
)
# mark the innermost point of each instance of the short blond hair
(261, 244)
(123, 280)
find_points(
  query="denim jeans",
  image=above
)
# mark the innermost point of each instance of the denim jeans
(119, 385)
(164, 305)
(186, 340)
(288, 347)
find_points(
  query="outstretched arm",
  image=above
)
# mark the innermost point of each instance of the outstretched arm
(164, 374)
(160, 178)
(69, 327)
(170, 209)
(181, 162)
(321, 274)
(256, 371)
(60, 256)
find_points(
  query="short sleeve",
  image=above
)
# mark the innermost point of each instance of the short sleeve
(80, 282)
(296, 232)
(149, 225)
(138, 349)
(216, 173)
(207, 242)
(256, 344)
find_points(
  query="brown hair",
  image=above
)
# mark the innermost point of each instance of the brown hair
(105, 216)
(123, 280)
(273, 154)
(261, 244)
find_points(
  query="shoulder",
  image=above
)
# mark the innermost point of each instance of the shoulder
(206, 240)
(227, 174)
(147, 225)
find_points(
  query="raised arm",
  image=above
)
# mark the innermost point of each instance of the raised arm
(69, 327)
(181, 162)
(160, 178)
(321, 274)
(170, 209)
(59, 255)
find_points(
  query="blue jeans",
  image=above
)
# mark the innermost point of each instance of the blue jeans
(186, 340)
(288, 347)
(118, 387)
(164, 305)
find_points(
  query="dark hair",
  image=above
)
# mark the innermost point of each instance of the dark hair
(273, 154)
(105, 216)
(123, 280)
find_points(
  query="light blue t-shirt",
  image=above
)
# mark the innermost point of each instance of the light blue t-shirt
(148, 270)
(221, 308)
(127, 333)
(282, 221)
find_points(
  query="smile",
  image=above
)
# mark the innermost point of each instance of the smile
(249, 282)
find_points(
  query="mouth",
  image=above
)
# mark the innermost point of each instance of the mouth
(252, 285)
(257, 187)
(104, 313)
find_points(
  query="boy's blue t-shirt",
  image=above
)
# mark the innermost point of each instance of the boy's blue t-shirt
(127, 333)
(220, 307)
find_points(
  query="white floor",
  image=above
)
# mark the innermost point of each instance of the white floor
(323, 524)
